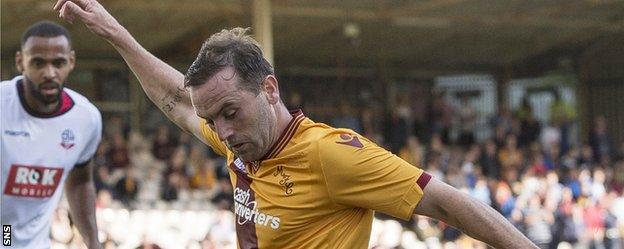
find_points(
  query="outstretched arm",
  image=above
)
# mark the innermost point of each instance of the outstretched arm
(474, 218)
(163, 84)
(80, 193)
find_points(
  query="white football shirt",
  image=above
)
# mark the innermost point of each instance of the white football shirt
(37, 153)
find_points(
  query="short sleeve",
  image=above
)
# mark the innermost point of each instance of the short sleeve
(94, 138)
(212, 139)
(360, 173)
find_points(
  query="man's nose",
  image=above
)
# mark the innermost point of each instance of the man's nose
(224, 130)
(49, 72)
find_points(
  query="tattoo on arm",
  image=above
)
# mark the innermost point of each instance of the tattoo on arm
(171, 99)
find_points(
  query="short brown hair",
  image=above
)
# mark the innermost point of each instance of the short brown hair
(230, 48)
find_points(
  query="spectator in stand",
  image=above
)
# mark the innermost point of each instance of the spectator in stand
(116, 125)
(413, 152)
(371, 126)
(620, 152)
(204, 178)
(104, 199)
(529, 129)
(396, 130)
(164, 143)
(550, 136)
(481, 191)
(586, 158)
(537, 164)
(594, 220)
(440, 115)
(502, 119)
(617, 182)
(467, 118)
(118, 153)
(346, 118)
(565, 228)
(127, 188)
(505, 201)
(436, 147)
(184, 140)
(597, 187)
(489, 161)
(538, 223)
(600, 141)
(469, 170)
(562, 114)
(100, 159)
(570, 159)
(552, 157)
(177, 163)
(223, 199)
(171, 187)
(102, 166)
(433, 166)
(294, 101)
(511, 159)
(102, 179)
(197, 156)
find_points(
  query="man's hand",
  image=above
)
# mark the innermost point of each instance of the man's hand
(92, 14)
(163, 84)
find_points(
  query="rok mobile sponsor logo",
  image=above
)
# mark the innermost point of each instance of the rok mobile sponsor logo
(246, 211)
(32, 181)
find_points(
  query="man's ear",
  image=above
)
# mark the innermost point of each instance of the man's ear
(72, 60)
(18, 61)
(272, 89)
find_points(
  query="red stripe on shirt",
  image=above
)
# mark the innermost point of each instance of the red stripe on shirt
(423, 180)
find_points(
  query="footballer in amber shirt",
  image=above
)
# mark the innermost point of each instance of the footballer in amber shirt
(317, 187)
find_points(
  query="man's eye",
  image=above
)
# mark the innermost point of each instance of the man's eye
(230, 114)
(38, 63)
(60, 63)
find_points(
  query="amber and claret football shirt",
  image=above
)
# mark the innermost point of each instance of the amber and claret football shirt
(317, 187)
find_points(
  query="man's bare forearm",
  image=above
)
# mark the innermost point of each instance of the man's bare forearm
(484, 223)
(80, 193)
(163, 84)
(474, 218)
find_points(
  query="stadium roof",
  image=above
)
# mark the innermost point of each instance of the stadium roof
(429, 35)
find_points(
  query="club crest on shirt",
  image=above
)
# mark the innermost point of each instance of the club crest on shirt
(67, 139)
(285, 180)
(351, 140)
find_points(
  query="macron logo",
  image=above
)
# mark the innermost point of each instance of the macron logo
(17, 133)
(351, 140)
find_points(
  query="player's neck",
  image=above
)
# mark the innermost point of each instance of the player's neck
(283, 119)
(37, 105)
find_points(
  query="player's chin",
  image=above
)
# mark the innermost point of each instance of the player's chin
(51, 99)
(248, 156)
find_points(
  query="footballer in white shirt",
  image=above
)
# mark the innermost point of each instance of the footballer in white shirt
(48, 135)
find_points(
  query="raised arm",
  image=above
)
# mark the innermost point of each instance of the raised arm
(474, 218)
(163, 84)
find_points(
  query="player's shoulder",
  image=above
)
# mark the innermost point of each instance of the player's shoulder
(83, 105)
(8, 87)
(325, 138)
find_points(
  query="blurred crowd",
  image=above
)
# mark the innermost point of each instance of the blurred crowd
(560, 190)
